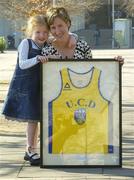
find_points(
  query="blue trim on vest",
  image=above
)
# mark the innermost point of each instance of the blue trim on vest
(110, 149)
(50, 127)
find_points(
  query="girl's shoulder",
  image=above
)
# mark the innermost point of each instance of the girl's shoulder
(24, 41)
(23, 44)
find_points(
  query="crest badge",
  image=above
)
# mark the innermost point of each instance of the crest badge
(80, 116)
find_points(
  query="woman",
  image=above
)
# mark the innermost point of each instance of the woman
(64, 127)
(59, 23)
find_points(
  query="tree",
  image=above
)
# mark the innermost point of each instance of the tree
(24, 8)
(19, 10)
(127, 6)
(81, 4)
(14, 9)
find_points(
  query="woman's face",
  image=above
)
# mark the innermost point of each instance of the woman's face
(59, 29)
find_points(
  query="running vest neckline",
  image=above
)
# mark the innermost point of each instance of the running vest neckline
(87, 72)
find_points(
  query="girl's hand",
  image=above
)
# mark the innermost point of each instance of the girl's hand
(42, 59)
(120, 59)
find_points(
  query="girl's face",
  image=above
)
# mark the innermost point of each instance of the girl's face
(59, 29)
(40, 35)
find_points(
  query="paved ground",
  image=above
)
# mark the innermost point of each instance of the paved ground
(12, 134)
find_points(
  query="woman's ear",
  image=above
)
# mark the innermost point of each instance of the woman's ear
(68, 24)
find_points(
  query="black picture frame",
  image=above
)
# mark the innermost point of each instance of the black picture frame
(109, 87)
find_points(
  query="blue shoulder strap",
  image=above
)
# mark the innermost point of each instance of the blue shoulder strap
(30, 44)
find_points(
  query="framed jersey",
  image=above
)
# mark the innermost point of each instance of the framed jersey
(81, 113)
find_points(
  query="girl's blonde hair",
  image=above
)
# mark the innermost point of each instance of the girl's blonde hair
(35, 21)
(59, 12)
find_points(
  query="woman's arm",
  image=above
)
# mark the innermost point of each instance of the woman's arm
(88, 53)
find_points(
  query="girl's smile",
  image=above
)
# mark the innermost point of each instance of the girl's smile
(40, 35)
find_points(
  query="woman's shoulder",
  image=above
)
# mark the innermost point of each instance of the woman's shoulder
(82, 45)
(48, 49)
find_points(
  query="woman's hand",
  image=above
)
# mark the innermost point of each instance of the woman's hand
(54, 56)
(120, 59)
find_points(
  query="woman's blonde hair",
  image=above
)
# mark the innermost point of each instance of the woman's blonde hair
(35, 21)
(59, 12)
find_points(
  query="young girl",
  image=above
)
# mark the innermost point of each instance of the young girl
(23, 99)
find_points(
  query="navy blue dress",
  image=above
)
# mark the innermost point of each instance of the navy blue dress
(23, 102)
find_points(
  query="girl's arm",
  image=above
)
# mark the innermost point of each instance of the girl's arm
(23, 50)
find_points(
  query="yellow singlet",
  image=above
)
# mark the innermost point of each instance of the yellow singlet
(78, 118)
